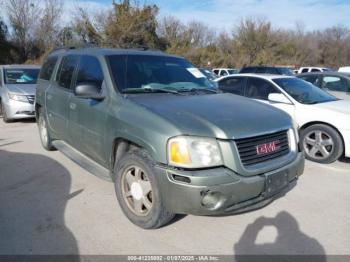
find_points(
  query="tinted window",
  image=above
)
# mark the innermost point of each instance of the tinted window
(285, 71)
(90, 71)
(223, 73)
(216, 71)
(232, 85)
(48, 68)
(142, 73)
(247, 70)
(66, 71)
(260, 70)
(303, 91)
(315, 70)
(312, 79)
(21, 76)
(259, 89)
(305, 70)
(335, 83)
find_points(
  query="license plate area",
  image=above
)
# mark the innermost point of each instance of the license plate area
(274, 183)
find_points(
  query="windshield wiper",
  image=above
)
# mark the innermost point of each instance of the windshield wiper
(199, 89)
(148, 89)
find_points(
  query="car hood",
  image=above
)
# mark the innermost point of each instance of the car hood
(341, 106)
(224, 116)
(22, 89)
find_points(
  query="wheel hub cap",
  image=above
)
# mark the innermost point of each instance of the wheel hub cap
(136, 190)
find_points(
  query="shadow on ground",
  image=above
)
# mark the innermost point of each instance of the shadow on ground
(34, 191)
(289, 241)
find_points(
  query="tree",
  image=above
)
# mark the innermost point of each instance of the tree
(23, 16)
(5, 45)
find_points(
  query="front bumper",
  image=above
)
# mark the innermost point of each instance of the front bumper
(229, 192)
(19, 110)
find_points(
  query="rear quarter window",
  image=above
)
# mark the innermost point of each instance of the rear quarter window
(48, 67)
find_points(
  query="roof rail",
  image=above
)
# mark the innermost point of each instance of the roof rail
(70, 47)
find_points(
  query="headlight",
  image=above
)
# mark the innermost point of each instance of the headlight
(18, 97)
(193, 152)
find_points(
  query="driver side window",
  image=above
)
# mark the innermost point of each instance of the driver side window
(260, 89)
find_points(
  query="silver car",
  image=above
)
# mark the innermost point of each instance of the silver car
(17, 91)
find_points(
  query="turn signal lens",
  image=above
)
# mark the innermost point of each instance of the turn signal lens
(179, 152)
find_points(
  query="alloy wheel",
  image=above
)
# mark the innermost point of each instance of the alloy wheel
(137, 190)
(318, 144)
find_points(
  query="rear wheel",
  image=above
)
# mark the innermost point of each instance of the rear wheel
(138, 191)
(45, 138)
(322, 143)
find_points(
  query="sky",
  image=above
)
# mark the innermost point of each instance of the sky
(225, 14)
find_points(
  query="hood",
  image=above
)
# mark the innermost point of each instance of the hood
(341, 106)
(21, 89)
(224, 116)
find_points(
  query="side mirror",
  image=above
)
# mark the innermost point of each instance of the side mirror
(279, 98)
(88, 91)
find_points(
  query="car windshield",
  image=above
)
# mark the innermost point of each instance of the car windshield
(286, 71)
(145, 73)
(21, 76)
(303, 92)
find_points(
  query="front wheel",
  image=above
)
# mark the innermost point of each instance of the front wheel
(4, 114)
(138, 191)
(322, 143)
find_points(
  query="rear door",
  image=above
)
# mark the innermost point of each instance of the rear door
(336, 85)
(57, 97)
(87, 117)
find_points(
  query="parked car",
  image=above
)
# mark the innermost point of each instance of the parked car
(266, 70)
(310, 69)
(323, 120)
(337, 84)
(169, 141)
(225, 71)
(344, 69)
(17, 91)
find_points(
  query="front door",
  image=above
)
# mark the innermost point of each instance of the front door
(87, 117)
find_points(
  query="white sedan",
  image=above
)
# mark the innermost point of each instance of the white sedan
(323, 120)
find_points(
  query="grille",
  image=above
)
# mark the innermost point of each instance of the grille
(31, 99)
(248, 148)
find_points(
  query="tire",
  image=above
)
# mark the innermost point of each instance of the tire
(322, 144)
(4, 114)
(134, 177)
(44, 134)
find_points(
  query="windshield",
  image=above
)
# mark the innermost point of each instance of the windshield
(303, 92)
(286, 71)
(21, 76)
(142, 73)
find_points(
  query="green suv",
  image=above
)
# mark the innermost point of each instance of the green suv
(155, 126)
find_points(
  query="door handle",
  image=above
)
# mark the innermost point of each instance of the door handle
(72, 106)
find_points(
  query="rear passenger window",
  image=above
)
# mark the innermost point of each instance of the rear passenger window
(305, 70)
(48, 67)
(232, 85)
(260, 89)
(90, 71)
(315, 70)
(66, 71)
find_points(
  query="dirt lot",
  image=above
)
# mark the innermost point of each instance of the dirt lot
(49, 205)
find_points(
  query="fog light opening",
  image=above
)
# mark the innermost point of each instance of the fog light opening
(183, 179)
(211, 200)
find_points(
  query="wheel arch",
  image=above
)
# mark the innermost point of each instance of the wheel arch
(308, 124)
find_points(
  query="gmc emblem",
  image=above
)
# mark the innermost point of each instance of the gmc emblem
(268, 147)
